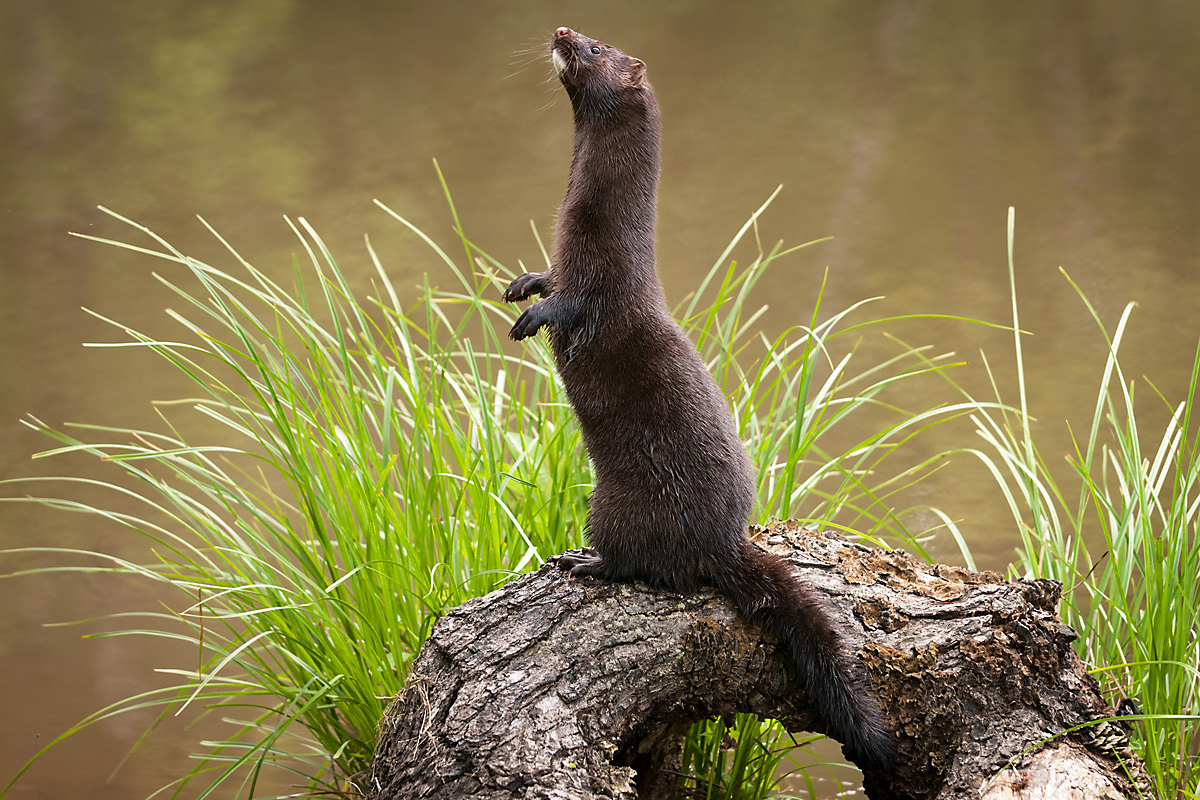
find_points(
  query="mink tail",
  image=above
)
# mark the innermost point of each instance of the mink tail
(767, 594)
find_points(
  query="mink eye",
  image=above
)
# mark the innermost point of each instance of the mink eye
(596, 50)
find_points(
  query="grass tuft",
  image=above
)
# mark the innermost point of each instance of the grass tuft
(369, 465)
(1119, 528)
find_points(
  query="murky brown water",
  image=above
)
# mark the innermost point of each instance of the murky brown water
(905, 130)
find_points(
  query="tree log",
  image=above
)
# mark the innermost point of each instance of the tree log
(554, 687)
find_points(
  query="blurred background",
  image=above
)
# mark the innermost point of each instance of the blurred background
(904, 130)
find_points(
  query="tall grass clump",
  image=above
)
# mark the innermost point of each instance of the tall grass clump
(373, 461)
(1119, 528)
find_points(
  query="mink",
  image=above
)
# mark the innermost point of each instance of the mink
(674, 487)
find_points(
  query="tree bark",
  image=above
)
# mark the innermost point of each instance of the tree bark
(553, 687)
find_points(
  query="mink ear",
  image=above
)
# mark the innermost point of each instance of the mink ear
(636, 77)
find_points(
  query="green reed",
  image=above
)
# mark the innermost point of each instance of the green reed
(385, 467)
(375, 461)
(380, 463)
(1120, 528)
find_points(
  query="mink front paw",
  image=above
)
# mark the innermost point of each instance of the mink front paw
(525, 285)
(529, 322)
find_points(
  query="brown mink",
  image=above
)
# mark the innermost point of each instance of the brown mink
(674, 487)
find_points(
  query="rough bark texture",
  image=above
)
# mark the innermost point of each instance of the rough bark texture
(560, 688)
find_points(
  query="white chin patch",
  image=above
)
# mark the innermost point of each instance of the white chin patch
(560, 63)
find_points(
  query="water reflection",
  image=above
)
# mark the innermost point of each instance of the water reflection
(904, 130)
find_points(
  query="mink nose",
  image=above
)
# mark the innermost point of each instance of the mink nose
(561, 32)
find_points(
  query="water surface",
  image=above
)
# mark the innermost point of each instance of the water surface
(903, 130)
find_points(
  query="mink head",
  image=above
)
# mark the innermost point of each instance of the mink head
(598, 78)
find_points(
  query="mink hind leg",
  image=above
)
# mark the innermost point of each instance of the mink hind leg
(584, 563)
(627, 543)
